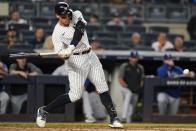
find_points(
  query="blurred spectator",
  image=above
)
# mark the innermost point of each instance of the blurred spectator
(116, 20)
(169, 97)
(191, 27)
(178, 44)
(4, 97)
(19, 94)
(12, 37)
(95, 45)
(131, 79)
(131, 19)
(93, 20)
(136, 40)
(116, 2)
(137, 2)
(16, 19)
(39, 38)
(48, 43)
(162, 44)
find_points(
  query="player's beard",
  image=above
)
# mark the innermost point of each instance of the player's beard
(64, 22)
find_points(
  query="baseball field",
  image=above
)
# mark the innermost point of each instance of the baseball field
(4, 126)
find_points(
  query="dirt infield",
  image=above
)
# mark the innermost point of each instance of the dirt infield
(95, 127)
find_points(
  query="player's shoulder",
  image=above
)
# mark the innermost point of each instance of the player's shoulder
(124, 64)
(178, 68)
(57, 30)
(77, 13)
(140, 66)
(30, 65)
(163, 67)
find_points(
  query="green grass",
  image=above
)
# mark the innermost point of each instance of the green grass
(134, 125)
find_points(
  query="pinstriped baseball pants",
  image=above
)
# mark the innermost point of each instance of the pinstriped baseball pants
(81, 67)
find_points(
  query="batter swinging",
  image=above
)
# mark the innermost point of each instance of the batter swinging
(70, 41)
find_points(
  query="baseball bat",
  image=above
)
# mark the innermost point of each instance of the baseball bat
(26, 55)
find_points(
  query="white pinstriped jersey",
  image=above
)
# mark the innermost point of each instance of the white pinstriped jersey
(62, 35)
(79, 67)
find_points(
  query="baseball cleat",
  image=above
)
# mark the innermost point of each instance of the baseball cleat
(41, 117)
(115, 123)
(90, 120)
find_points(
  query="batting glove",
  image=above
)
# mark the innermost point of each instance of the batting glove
(64, 53)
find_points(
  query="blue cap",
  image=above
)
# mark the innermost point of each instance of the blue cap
(168, 57)
(134, 54)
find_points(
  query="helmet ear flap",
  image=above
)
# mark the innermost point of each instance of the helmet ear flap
(69, 13)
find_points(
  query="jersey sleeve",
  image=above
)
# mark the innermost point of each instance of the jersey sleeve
(77, 15)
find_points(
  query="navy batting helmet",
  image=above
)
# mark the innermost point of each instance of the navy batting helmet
(62, 9)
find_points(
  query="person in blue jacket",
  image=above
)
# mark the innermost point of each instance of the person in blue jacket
(169, 97)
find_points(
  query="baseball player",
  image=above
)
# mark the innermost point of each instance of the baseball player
(169, 98)
(71, 42)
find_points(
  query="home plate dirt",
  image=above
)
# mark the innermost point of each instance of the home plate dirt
(96, 127)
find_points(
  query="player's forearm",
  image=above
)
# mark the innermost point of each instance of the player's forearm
(122, 82)
(33, 73)
(79, 32)
(3, 73)
(14, 72)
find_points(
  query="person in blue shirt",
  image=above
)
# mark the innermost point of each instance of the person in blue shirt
(169, 97)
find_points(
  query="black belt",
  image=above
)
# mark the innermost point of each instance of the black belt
(83, 52)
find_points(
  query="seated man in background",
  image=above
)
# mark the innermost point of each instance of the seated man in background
(93, 20)
(162, 44)
(15, 18)
(131, 79)
(23, 69)
(178, 44)
(95, 45)
(136, 41)
(116, 20)
(12, 37)
(169, 97)
(39, 38)
(131, 19)
(4, 97)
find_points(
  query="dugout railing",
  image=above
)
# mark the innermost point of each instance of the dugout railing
(36, 86)
(150, 85)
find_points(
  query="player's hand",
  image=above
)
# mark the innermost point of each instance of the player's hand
(80, 25)
(65, 53)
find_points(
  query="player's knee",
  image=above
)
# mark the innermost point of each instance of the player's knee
(5, 97)
(75, 97)
(161, 98)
